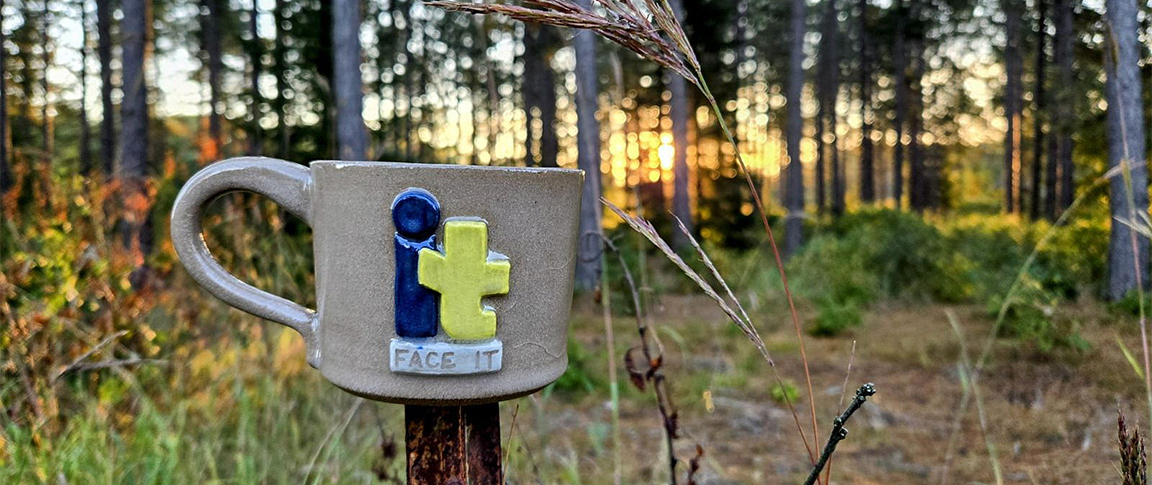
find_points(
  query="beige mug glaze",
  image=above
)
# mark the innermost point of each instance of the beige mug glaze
(532, 216)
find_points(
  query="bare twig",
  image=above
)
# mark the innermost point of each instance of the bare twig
(96, 348)
(694, 465)
(108, 364)
(839, 432)
(653, 373)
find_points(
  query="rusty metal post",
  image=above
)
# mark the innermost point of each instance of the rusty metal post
(453, 445)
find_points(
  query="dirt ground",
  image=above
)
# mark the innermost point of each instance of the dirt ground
(1050, 417)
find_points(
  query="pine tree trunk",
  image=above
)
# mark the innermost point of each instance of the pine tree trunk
(351, 138)
(588, 157)
(85, 151)
(279, 52)
(210, 30)
(409, 67)
(917, 176)
(1065, 37)
(818, 136)
(493, 100)
(1013, 104)
(679, 109)
(833, 96)
(47, 136)
(794, 190)
(255, 60)
(108, 110)
(1128, 196)
(6, 181)
(133, 167)
(867, 163)
(549, 143)
(1038, 116)
(539, 91)
(900, 66)
(826, 98)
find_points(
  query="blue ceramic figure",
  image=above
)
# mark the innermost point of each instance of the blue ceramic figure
(416, 214)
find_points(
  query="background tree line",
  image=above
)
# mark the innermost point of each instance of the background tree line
(902, 104)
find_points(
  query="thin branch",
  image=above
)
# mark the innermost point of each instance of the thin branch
(839, 432)
(108, 364)
(76, 363)
(655, 359)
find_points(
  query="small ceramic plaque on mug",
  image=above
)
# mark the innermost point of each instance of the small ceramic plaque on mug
(435, 284)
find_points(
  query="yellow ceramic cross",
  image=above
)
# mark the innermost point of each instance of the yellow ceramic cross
(462, 275)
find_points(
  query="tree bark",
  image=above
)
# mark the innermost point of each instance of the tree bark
(48, 147)
(794, 190)
(409, 71)
(493, 99)
(588, 156)
(133, 166)
(832, 98)
(918, 180)
(900, 65)
(351, 139)
(867, 163)
(85, 151)
(6, 181)
(679, 109)
(1128, 197)
(279, 52)
(213, 57)
(255, 60)
(824, 99)
(108, 110)
(1039, 114)
(1013, 104)
(539, 91)
(1065, 36)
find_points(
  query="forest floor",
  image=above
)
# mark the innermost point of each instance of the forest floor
(1051, 417)
(241, 414)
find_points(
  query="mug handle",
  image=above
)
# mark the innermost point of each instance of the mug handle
(287, 184)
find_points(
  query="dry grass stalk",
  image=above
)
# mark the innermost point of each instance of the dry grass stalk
(843, 391)
(740, 318)
(650, 371)
(665, 43)
(613, 386)
(624, 23)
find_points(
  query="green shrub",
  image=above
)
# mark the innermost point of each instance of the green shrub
(908, 256)
(1033, 317)
(835, 268)
(833, 317)
(579, 376)
(784, 391)
(1130, 304)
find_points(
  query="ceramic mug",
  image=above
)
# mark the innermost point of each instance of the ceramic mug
(435, 284)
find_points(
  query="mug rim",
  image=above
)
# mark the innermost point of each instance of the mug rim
(443, 166)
